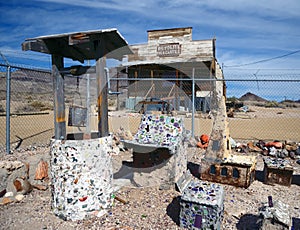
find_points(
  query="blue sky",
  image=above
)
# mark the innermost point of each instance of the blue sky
(246, 31)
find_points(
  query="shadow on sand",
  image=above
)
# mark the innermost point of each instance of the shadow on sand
(248, 222)
(173, 210)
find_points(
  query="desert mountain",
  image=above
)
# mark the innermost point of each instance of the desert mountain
(251, 97)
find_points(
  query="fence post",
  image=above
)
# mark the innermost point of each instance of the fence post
(8, 110)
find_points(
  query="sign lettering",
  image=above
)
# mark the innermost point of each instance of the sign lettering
(169, 50)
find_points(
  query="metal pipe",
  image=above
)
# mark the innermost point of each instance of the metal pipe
(88, 106)
(205, 79)
(8, 111)
(193, 103)
(107, 78)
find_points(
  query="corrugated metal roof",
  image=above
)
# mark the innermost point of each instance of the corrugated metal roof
(81, 46)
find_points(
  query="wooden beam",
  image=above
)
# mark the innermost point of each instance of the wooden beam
(59, 98)
(102, 90)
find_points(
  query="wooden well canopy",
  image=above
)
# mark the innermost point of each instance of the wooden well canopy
(80, 46)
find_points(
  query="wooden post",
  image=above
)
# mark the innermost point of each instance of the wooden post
(59, 98)
(102, 90)
(135, 86)
(118, 101)
(176, 91)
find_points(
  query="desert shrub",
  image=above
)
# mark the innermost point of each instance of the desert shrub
(29, 98)
(40, 106)
(35, 106)
(231, 99)
(2, 110)
(270, 104)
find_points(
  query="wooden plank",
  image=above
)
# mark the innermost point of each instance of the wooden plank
(102, 89)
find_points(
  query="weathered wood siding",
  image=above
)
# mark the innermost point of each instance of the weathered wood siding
(179, 42)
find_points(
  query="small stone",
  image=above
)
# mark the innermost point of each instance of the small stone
(19, 197)
(40, 187)
(8, 194)
(6, 200)
(41, 171)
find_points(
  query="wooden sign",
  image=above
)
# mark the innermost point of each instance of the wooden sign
(169, 50)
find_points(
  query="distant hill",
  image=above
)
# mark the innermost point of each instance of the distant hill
(252, 97)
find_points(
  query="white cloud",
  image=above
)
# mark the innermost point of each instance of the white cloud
(246, 31)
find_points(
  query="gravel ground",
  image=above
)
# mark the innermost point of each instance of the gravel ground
(149, 207)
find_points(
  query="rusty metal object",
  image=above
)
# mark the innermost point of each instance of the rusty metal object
(121, 200)
(277, 171)
(225, 173)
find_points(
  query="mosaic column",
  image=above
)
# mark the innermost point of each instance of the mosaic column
(81, 175)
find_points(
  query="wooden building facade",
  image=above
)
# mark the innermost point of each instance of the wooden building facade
(165, 66)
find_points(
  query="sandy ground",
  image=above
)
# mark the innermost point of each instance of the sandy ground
(149, 207)
(260, 123)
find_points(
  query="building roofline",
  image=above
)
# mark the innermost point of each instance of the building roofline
(175, 28)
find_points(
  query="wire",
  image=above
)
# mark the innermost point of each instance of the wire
(264, 60)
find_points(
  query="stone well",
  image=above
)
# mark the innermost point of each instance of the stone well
(81, 175)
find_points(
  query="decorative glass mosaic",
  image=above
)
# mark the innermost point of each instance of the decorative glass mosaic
(156, 131)
(278, 163)
(160, 130)
(81, 177)
(277, 211)
(202, 205)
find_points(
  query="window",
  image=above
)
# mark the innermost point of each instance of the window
(235, 173)
(212, 169)
(224, 171)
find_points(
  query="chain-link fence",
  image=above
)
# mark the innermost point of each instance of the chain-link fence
(263, 107)
(257, 109)
(26, 94)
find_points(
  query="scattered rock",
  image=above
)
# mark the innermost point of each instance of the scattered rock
(11, 165)
(40, 187)
(6, 200)
(18, 185)
(19, 197)
(22, 185)
(160, 206)
(124, 135)
(275, 144)
(253, 147)
(8, 194)
(41, 171)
